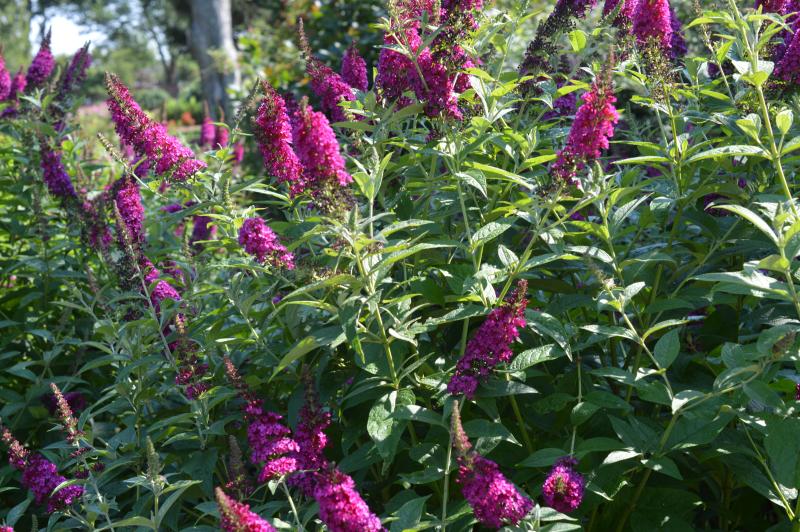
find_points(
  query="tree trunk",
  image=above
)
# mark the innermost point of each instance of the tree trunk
(211, 38)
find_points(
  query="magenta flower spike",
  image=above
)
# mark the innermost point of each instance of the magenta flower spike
(274, 133)
(207, 133)
(590, 133)
(330, 88)
(311, 440)
(494, 499)
(75, 74)
(317, 149)
(491, 344)
(5, 79)
(341, 507)
(42, 65)
(258, 240)
(354, 69)
(652, 22)
(54, 174)
(40, 475)
(220, 137)
(237, 517)
(563, 488)
(625, 13)
(147, 137)
(129, 204)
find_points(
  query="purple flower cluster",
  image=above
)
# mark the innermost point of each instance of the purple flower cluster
(162, 289)
(261, 242)
(491, 344)
(207, 133)
(563, 488)
(18, 84)
(148, 137)
(317, 149)
(652, 22)
(54, 174)
(311, 441)
(42, 65)
(271, 444)
(341, 507)
(39, 475)
(190, 369)
(220, 137)
(354, 69)
(131, 211)
(75, 74)
(678, 43)
(238, 153)
(6, 529)
(438, 78)
(495, 501)
(395, 70)
(770, 6)
(787, 56)
(562, 106)
(590, 132)
(237, 517)
(5, 79)
(625, 13)
(330, 88)
(274, 133)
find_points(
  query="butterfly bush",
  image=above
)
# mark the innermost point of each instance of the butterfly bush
(652, 22)
(148, 137)
(510, 285)
(590, 133)
(42, 65)
(341, 507)
(563, 488)
(261, 242)
(5, 79)
(274, 132)
(491, 344)
(354, 69)
(494, 499)
(237, 517)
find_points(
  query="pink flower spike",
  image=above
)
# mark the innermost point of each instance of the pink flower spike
(261, 242)
(341, 507)
(563, 487)
(237, 517)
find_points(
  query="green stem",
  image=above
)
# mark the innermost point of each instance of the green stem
(292, 506)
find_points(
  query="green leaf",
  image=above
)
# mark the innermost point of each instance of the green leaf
(784, 120)
(327, 337)
(782, 443)
(15, 513)
(409, 515)
(384, 429)
(577, 39)
(491, 231)
(537, 355)
(667, 348)
(730, 151)
(543, 458)
(753, 218)
(752, 283)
